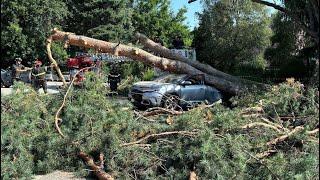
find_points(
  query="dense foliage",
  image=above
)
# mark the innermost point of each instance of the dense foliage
(156, 19)
(25, 25)
(221, 149)
(291, 52)
(232, 36)
(105, 20)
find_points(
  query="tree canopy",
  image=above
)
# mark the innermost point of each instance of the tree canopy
(156, 19)
(106, 20)
(25, 26)
(305, 13)
(232, 35)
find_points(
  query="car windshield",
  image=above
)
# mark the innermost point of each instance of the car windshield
(171, 78)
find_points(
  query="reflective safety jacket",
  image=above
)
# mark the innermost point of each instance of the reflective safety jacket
(38, 73)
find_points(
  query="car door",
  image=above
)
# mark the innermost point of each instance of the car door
(192, 90)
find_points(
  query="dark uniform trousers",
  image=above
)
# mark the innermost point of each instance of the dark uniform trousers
(39, 81)
(113, 81)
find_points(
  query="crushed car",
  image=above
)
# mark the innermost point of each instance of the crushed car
(174, 92)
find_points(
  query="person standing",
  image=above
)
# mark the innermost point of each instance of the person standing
(114, 78)
(17, 68)
(38, 75)
(178, 42)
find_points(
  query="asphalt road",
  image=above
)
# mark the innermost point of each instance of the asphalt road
(53, 88)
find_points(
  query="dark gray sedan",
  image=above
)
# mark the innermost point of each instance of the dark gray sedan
(173, 92)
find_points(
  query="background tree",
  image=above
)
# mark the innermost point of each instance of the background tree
(109, 20)
(288, 51)
(155, 18)
(231, 36)
(305, 13)
(25, 26)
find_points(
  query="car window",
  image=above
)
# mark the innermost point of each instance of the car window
(195, 80)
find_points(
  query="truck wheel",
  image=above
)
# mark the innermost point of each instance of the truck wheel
(171, 101)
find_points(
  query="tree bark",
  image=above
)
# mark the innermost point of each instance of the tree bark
(167, 53)
(48, 46)
(284, 137)
(221, 83)
(97, 170)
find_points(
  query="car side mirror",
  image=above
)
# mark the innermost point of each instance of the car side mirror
(184, 83)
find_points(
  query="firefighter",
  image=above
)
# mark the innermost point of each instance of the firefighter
(17, 68)
(113, 78)
(177, 42)
(38, 75)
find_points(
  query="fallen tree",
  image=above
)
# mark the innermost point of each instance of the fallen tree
(220, 80)
(205, 142)
(165, 52)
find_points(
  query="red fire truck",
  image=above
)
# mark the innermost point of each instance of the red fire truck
(82, 63)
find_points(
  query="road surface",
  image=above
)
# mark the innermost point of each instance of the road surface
(53, 88)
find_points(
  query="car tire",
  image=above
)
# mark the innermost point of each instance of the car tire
(4, 85)
(171, 101)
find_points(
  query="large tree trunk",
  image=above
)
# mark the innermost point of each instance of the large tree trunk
(221, 83)
(167, 53)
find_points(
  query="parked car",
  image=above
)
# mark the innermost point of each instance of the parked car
(6, 77)
(173, 92)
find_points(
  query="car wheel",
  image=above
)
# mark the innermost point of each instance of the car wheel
(171, 101)
(4, 85)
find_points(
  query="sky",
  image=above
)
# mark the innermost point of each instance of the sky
(192, 20)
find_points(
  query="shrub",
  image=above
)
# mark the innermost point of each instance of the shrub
(148, 75)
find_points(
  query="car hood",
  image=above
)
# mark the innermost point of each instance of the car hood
(148, 85)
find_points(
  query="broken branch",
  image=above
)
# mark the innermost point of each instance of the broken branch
(159, 110)
(102, 175)
(274, 124)
(54, 62)
(255, 124)
(284, 137)
(315, 131)
(57, 119)
(265, 153)
(221, 83)
(184, 133)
